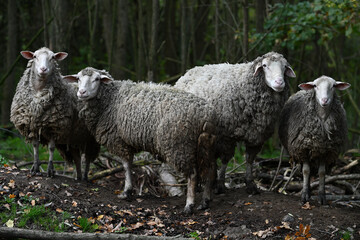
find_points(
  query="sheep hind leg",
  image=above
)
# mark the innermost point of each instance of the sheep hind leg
(220, 182)
(126, 194)
(306, 191)
(251, 153)
(206, 198)
(35, 169)
(190, 196)
(50, 169)
(86, 160)
(322, 196)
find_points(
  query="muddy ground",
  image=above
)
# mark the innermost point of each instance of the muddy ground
(232, 215)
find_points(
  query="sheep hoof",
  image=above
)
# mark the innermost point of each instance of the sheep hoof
(322, 199)
(50, 170)
(305, 196)
(251, 188)
(188, 209)
(220, 188)
(204, 205)
(125, 195)
(35, 170)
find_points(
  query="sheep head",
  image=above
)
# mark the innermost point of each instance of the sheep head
(275, 68)
(43, 61)
(89, 81)
(324, 88)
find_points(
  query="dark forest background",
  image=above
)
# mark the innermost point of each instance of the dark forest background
(158, 40)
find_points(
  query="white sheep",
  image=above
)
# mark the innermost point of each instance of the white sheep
(128, 117)
(313, 129)
(248, 98)
(44, 110)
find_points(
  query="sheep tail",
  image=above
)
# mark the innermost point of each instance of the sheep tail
(206, 152)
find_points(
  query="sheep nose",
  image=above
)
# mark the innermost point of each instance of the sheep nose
(279, 81)
(43, 69)
(82, 91)
(324, 100)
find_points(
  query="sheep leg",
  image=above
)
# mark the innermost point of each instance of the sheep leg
(322, 197)
(128, 180)
(50, 169)
(190, 195)
(35, 169)
(86, 159)
(306, 192)
(77, 158)
(220, 184)
(206, 198)
(251, 153)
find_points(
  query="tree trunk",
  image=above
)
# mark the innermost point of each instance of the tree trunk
(245, 29)
(151, 76)
(140, 66)
(12, 53)
(184, 34)
(171, 56)
(260, 9)
(217, 49)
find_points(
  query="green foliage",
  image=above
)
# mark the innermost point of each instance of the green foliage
(291, 25)
(27, 214)
(195, 235)
(3, 161)
(86, 225)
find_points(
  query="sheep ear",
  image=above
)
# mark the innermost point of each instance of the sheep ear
(290, 72)
(307, 86)
(27, 54)
(257, 69)
(106, 79)
(71, 78)
(60, 56)
(342, 85)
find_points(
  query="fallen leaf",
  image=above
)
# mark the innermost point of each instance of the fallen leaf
(21, 194)
(136, 225)
(307, 206)
(12, 183)
(267, 221)
(100, 217)
(247, 203)
(59, 210)
(33, 202)
(12, 196)
(7, 206)
(68, 194)
(117, 192)
(10, 223)
(74, 204)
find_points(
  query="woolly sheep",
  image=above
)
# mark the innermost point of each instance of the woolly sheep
(128, 117)
(248, 98)
(313, 129)
(44, 110)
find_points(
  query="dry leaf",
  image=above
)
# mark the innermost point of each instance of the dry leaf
(32, 202)
(59, 210)
(137, 225)
(307, 206)
(12, 196)
(247, 203)
(10, 223)
(74, 204)
(68, 194)
(12, 183)
(7, 206)
(100, 217)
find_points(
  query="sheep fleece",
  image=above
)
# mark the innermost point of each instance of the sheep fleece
(128, 117)
(308, 137)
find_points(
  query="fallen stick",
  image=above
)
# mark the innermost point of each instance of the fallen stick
(347, 167)
(8, 233)
(42, 162)
(339, 197)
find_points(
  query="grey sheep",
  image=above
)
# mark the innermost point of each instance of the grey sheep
(44, 110)
(248, 98)
(128, 117)
(313, 129)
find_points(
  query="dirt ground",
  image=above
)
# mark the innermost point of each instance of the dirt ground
(233, 215)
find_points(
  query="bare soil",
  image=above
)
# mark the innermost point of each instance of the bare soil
(232, 215)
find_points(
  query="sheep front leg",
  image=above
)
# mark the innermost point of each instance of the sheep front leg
(50, 170)
(251, 153)
(206, 198)
(128, 179)
(190, 195)
(306, 192)
(86, 160)
(322, 197)
(35, 169)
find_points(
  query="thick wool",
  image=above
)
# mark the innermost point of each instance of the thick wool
(52, 113)
(128, 117)
(307, 136)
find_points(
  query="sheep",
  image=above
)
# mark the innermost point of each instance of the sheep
(128, 117)
(313, 129)
(248, 98)
(44, 110)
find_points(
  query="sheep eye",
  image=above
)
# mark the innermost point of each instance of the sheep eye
(264, 65)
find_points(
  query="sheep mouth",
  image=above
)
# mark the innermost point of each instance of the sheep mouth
(83, 97)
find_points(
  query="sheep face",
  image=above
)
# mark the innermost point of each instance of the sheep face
(89, 81)
(43, 61)
(324, 88)
(275, 69)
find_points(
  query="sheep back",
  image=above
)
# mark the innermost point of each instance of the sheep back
(128, 117)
